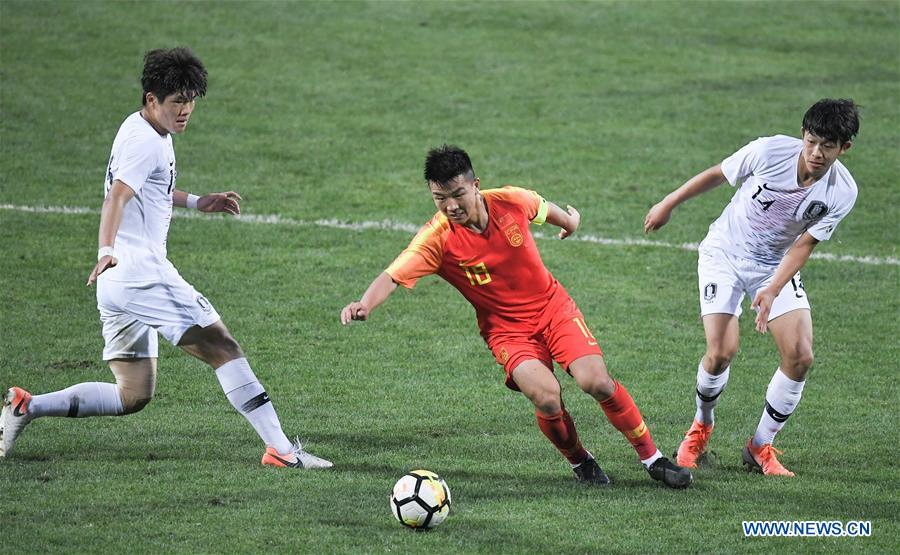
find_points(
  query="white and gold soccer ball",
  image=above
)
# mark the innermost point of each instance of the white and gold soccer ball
(420, 499)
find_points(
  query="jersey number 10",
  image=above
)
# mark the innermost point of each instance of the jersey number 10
(477, 274)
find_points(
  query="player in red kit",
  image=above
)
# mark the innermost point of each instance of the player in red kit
(479, 242)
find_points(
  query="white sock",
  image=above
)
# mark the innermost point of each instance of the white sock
(653, 458)
(709, 388)
(782, 397)
(78, 401)
(249, 398)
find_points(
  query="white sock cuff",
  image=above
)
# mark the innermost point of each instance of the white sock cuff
(707, 383)
(235, 374)
(783, 393)
(653, 458)
(113, 396)
(784, 383)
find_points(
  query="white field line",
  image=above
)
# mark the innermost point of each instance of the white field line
(391, 225)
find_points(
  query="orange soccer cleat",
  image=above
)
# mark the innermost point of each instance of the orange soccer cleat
(763, 459)
(296, 458)
(694, 444)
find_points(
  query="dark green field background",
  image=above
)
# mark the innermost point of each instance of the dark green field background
(324, 111)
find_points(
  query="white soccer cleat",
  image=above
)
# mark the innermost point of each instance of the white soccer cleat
(297, 458)
(308, 460)
(13, 418)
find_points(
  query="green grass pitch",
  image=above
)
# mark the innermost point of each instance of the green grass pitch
(324, 111)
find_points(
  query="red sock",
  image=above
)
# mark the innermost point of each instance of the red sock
(625, 416)
(560, 430)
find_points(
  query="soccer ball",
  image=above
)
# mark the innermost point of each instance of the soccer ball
(421, 499)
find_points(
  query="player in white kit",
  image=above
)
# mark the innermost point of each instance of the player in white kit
(140, 293)
(791, 194)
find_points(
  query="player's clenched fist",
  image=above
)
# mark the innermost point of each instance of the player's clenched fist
(354, 311)
(220, 202)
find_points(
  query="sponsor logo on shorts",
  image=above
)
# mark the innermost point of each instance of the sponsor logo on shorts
(709, 291)
(204, 304)
(797, 284)
(815, 210)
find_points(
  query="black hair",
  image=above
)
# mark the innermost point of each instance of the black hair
(172, 71)
(833, 120)
(445, 163)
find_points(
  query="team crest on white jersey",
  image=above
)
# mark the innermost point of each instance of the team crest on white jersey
(815, 210)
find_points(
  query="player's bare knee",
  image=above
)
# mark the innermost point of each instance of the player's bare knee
(136, 380)
(546, 401)
(548, 405)
(231, 348)
(132, 405)
(592, 377)
(715, 362)
(805, 361)
(223, 348)
(135, 396)
(602, 386)
(216, 353)
(213, 345)
(798, 363)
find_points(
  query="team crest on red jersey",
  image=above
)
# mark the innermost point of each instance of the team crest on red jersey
(514, 235)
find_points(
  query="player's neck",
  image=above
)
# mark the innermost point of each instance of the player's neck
(153, 123)
(480, 223)
(806, 178)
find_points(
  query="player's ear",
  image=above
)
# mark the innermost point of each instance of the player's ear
(477, 183)
(845, 147)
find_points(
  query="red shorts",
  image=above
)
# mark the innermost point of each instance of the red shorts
(561, 334)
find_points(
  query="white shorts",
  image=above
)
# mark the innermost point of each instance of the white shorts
(132, 313)
(725, 278)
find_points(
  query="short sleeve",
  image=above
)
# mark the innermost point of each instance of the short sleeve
(744, 162)
(824, 228)
(423, 255)
(533, 204)
(136, 161)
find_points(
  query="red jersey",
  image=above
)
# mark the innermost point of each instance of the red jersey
(499, 271)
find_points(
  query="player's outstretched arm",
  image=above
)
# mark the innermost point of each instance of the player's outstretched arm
(704, 181)
(567, 220)
(110, 219)
(213, 202)
(795, 258)
(379, 290)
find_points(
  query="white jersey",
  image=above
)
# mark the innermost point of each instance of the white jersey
(769, 211)
(145, 161)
